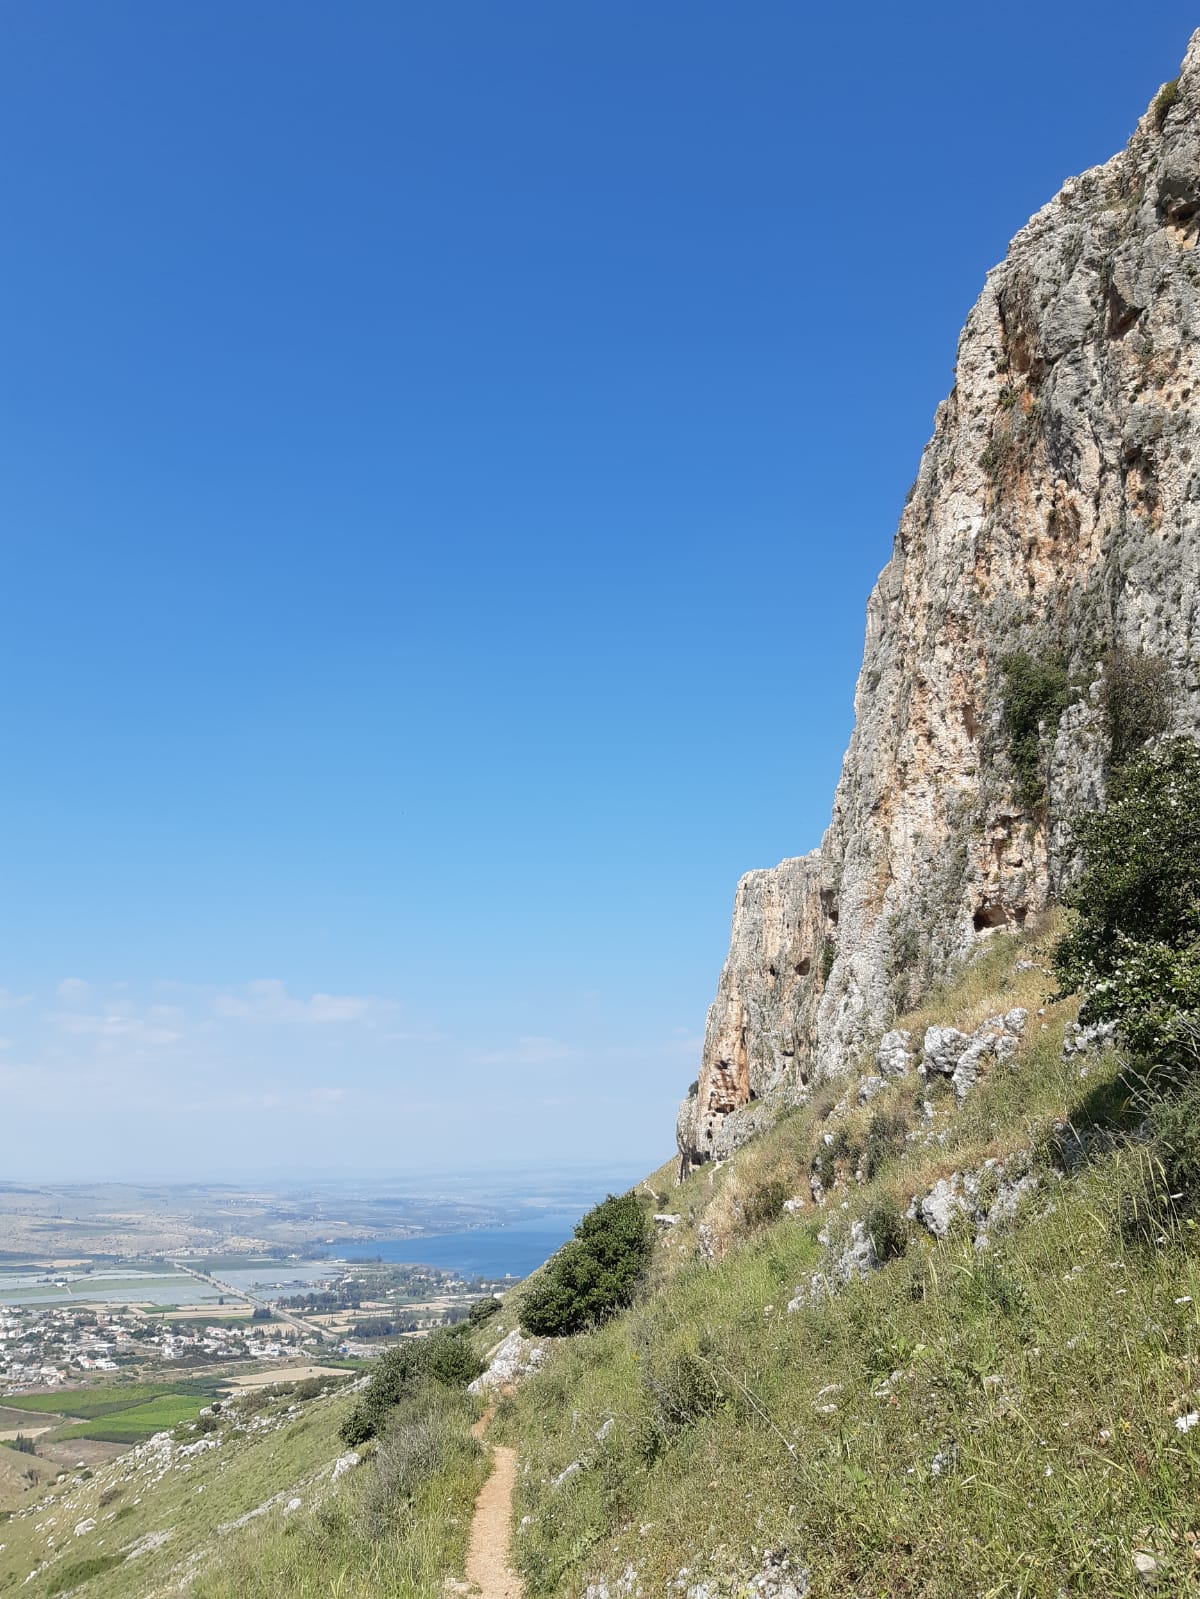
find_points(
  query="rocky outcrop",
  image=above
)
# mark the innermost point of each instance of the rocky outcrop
(1056, 514)
(513, 1358)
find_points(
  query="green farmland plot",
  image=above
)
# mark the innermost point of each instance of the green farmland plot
(138, 1422)
(91, 1404)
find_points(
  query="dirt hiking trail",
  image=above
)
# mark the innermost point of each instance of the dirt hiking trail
(491, 1526)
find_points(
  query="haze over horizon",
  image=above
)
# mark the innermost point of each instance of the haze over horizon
(446, 453)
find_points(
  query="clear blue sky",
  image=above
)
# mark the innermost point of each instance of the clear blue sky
(445, 453)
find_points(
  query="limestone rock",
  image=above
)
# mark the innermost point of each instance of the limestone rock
(1056, 504)
(893, 1058)
(941, 1206)
(855, 1257)
(987, 1197)
(942, 1050)
(512, 1359)
(1082, 1041)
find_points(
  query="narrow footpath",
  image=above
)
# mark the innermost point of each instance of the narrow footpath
(488, 1569)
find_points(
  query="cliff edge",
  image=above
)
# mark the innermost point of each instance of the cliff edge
(1052, 531)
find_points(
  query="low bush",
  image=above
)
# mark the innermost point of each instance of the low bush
(884, 1141)
(1036, 693)
(483, 1310)
(595, 1274)
(684, 1389)
(763, 1205)
(76, 1572)
(1163, 1188)
(1134, 948)
(400, 1372)
(1135, 695)
(1166, 97)
(425, 1435)
(887, 1229)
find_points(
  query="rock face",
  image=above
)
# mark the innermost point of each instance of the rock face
(1056, 514)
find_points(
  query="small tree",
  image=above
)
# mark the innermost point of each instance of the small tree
(1135, 693)
(1037, 691)
(442, 1358)
(1134, 949)
(595, 1274)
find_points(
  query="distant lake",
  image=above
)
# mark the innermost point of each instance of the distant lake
(479, 1252)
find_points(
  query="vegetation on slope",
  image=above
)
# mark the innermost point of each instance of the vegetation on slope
(818, 1382)
(595, 1274)
(1011, 1408)
(397, 1528)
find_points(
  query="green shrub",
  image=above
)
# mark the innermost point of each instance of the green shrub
(887, 1229)
(884, 1141)
(683, 1388)
(1136, 699)
(450, 1360)
(1166, 97)
(595, 1274)
(828, 956)
(401, 1371)
(314, 1387)
(1036, 693)
(483, 1310)
(1164, 1187)
(1134, 948)
(425, 1435)
(763, 1205)
(76, 1572)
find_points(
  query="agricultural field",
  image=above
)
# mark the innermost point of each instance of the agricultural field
(119, 1413)
(89, 1404)
(136, 1423)
(145, 1283)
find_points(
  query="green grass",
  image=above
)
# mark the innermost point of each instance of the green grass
(76, 1572)
(396, 1531)
(137, 1422)
(129, 1502)
(963, 1423)
(108, 1400)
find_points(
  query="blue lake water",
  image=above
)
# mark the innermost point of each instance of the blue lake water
(490, 1252)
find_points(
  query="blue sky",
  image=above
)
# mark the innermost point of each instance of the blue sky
(444, 454)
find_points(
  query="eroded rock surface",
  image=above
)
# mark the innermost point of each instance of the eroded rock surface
(512, 1359)
(1057, 506)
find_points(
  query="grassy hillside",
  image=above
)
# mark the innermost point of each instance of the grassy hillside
(928, 1335)
(205, 1510)
(1003, 1410)
(964, 1420)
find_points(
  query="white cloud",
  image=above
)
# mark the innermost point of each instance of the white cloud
(73, 990)
(9, 1000)
(268, 1000)
(117, 1025)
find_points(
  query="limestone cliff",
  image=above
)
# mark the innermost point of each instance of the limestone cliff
(1056, 514)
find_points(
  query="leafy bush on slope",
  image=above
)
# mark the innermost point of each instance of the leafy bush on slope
(1134, 950)
(593, 1275)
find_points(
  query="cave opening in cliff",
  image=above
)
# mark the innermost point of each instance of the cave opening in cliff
(989, 917)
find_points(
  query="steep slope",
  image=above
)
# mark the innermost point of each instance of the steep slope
(904, 1343)
(1053, 526)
